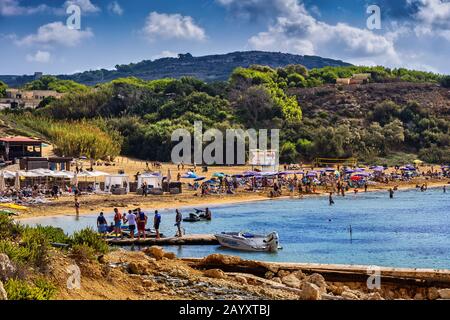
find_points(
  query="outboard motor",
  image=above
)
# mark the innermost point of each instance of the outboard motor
(272, 242)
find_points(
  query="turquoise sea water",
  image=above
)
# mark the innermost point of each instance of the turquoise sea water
(411, 230)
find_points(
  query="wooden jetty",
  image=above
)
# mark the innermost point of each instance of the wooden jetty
(191, 239)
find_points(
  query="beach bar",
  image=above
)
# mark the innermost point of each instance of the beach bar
(12, 148)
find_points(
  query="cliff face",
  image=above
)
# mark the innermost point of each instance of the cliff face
(207, 68)
(355, 101)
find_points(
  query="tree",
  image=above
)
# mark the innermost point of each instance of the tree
(445, 81)
(3, 87)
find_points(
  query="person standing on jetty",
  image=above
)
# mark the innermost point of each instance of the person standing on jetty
(131, 219)
(118, 223)
(156, 223)
(102, 225)
(178, 219)
(141, 220)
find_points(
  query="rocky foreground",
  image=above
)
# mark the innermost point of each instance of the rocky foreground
(156, 274)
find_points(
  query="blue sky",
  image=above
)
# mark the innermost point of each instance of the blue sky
(35, 37)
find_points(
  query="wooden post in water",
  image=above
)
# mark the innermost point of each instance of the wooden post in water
(351, 232)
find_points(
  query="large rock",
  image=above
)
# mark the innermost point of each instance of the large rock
(139, 268)
(291, 281)
(3, 294)
(433, 293)
(6, 267)
(444, 293)
(310, 292)
(349, 295)
(217, 258)
(215, 273)
(155, 251)
(319, 281)
(374, 296)
(170, 255)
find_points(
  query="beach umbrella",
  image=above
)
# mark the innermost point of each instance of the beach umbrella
(2, 181)
(362, 174)
(237, 176)
(377, 168)
(359, 170)
(17, 181)
(218, 175)
(189, 175)
(299, 172)
(199, 178)
(329, 169)
(311, 174)
(356, 178)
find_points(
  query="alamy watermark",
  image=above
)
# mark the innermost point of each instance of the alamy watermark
(73, 22)
(374, 280)
(374, 20)
(191, 148)
(74, 279)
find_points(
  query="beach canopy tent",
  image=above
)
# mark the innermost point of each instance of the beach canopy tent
(311, 174)
(117, 180)
(218, 175)
(152, 180)
(408, 169)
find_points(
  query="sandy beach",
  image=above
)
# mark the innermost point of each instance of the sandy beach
(93, 204)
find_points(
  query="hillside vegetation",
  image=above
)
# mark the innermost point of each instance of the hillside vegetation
(207, 68)
(400, 112)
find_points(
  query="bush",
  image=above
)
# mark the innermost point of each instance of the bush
(82, 252)
(16, 253)
(53, 234)
(90, 238)
(8, 228)
(41, 289)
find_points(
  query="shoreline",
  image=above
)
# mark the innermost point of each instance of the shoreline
(169, 202)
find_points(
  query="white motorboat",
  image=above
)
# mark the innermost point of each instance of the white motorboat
(249, 242)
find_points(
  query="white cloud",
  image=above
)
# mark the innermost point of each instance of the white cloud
(56, 33)
(298, 32)
(115, 8)
(39, 56)
(14, 8)
(167, 26)
(432, 18)
(433, 12)
(165, 54)
(86, 6)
